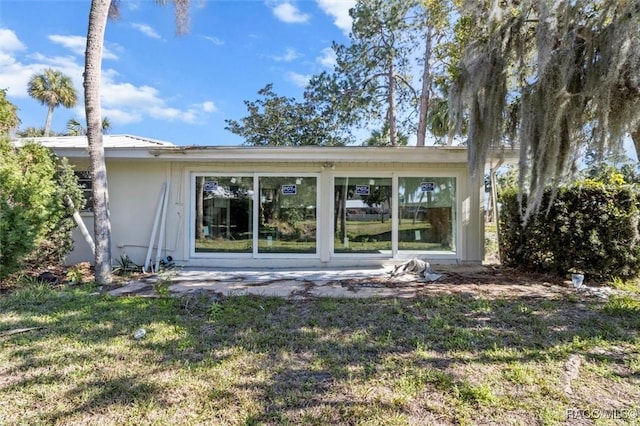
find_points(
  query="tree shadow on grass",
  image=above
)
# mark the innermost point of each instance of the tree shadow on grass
(267, 360)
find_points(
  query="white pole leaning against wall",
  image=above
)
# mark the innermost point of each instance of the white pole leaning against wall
(81, 225)
(147, 262)
(163, 223)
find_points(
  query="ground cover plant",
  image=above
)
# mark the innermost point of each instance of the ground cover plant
(68, 356)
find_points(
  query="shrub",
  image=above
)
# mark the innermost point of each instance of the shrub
(590, 226)
(35, 220)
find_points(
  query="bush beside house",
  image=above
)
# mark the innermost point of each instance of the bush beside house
(591, 226)
(35, 219)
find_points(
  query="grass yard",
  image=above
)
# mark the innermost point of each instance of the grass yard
(434, 359)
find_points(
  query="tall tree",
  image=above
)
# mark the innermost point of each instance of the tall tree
(371, 83)
(555, 76)
(394, 46)
(378, 60)
(53, 89)
(432, 18)
(99, 13)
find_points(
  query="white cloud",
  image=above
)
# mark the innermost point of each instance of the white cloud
(214, 40)
(287, 12)
(209, 106)
(118, 94)
(133, 5)
(15, 73)
(78, 45)
(146, 30)
(15, 77)
(290, 55)
(328, 58)
(172, 114)
(339, 9)
(119, 116)
(126, 103)
(123, 102)
(9, 41)
(300, 80)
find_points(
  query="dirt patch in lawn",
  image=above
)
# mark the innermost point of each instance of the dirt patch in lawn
(491, 282)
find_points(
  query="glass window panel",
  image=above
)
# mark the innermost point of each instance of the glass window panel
(362, 216)
(287, 219)
(427, 213)
(223, 219)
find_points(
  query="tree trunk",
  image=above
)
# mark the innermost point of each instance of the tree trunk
(391, 113)
(98, 15)
(426, 91)
(635, 135)
(47, 123)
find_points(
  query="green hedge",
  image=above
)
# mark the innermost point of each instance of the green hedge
(589, 226)
(35, 221)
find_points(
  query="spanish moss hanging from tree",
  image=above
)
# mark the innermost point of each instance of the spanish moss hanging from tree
(553, 77)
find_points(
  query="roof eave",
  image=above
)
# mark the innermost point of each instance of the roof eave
(315, 154)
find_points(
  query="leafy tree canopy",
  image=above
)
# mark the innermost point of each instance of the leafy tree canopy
(281, 121)
(8, 114)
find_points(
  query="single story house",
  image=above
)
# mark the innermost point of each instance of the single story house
(212, 206)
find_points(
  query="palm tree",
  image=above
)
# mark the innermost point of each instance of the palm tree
(52, 88)
(99, 12)
(34, 132)
(75, 128)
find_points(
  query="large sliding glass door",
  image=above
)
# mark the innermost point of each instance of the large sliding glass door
(223, 214)
(363, 221)
(226, 209)
(268, 214)
(287, 214)
(426, 213)
(362, 214)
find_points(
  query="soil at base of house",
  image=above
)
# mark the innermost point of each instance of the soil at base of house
(489, 281)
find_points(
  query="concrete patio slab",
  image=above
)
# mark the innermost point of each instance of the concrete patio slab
(289, 283)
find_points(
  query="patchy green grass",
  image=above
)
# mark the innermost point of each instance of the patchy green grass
(435, 359)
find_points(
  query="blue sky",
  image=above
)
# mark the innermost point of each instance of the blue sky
(163, 86)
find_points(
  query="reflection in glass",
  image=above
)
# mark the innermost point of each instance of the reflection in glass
(223, 219)
(362, 216)
(287, 215)
(426, 213)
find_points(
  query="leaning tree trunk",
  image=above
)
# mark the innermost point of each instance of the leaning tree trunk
(98, 15)
(426, 91)
(47, 123)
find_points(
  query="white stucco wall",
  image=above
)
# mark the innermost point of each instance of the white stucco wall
(135, 186)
